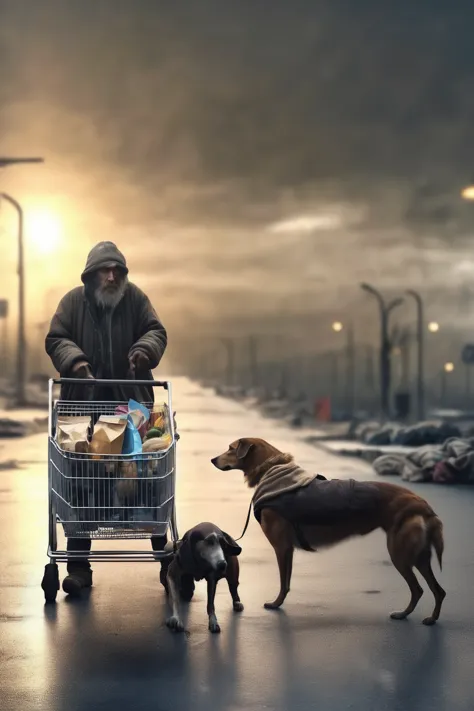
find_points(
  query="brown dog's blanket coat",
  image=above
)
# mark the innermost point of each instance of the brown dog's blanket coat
(281, 476)
(303, 499)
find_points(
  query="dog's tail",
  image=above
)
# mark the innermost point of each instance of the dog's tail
(419, 529)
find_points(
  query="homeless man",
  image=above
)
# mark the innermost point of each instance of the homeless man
(104, 329)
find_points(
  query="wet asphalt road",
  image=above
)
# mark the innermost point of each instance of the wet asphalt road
(331, 647)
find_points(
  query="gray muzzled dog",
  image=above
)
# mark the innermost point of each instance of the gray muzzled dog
(205, 552)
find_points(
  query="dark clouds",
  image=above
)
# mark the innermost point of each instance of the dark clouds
(278, 95)
(193, 126)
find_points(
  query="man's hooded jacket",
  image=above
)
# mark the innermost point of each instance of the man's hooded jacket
(105, 338)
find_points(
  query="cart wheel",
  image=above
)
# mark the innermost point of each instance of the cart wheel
(50, 582)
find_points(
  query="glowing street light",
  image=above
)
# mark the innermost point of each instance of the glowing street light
(467, 193)
(337, 326)
(433, 327)
(43, 230)
(448, 367)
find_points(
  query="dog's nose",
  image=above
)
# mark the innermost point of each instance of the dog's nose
(221, 566)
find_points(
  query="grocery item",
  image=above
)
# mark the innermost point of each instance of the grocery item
(141, 415)
(109, 433)
(72, 433)
(154, 432)
(125, 485)
(157, 444)
(132, 443)
(160, 418)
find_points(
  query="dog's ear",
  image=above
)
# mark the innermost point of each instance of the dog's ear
(244, 448)
(187, 556)
(229, 546)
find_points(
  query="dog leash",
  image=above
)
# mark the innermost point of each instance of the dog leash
(175, 543)
(246, 522)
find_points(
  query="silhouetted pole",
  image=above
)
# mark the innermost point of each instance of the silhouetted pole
(4, 338)
(420, 343)
(5, 161)
(468, 385)
(385, 347)
(21, 354)
(230, 350)
(253, 361)
(350, 346)
(334, 370)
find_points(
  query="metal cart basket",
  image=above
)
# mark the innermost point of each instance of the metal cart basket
(108, 497)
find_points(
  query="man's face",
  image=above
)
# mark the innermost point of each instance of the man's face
(109, 286)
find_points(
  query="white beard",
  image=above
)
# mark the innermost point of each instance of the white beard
(108, 299)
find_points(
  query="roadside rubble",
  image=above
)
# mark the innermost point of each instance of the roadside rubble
(438, 450)
(9, 464)
(22, 422)
(449, 463)
(11, 427)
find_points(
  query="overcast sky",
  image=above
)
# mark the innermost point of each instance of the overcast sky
(232, 149)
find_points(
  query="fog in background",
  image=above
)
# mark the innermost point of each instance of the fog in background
(255, 161)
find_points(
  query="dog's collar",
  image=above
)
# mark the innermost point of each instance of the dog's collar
(275, 461)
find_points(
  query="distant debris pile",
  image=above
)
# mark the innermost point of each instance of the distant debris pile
(449, 463)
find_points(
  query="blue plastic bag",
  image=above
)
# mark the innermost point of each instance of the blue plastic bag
(132, 443)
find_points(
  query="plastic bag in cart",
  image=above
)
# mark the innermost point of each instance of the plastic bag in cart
(140, 419)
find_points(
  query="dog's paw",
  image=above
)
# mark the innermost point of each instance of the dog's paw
(214, 626)
(429, 621)
(238, 607)
(174, 623)
(398, 615)
(272, 605)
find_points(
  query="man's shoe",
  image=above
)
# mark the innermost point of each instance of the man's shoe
(75, 583)
(158, 543)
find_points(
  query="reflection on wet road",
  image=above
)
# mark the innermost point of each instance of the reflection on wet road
(331, 647)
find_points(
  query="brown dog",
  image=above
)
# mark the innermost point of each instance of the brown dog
(297, 509)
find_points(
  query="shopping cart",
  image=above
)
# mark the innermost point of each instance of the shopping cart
(111, 497)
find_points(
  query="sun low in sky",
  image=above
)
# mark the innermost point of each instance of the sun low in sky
(43, 230)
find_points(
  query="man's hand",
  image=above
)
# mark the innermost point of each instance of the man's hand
(139, 361)
(82, 369)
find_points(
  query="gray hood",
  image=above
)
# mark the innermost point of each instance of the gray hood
(104, 254)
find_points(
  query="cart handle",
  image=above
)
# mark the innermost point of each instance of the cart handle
(110, 381)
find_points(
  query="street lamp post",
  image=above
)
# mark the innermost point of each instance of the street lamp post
(228, 344)
(5, 162)
(385, 371)
(420, 341)
(447, 368)
(21, 354)
(337, 327)
(253, 361)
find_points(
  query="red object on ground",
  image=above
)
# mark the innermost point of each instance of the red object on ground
(322, 409)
